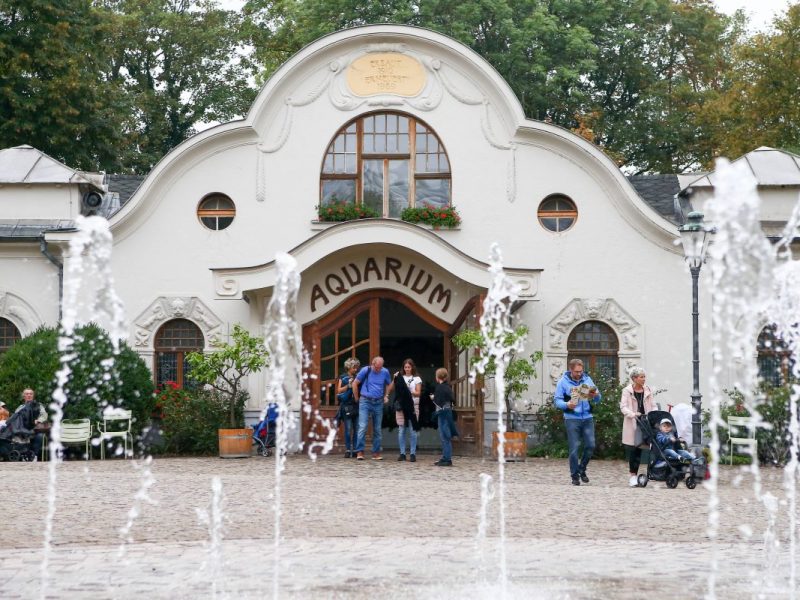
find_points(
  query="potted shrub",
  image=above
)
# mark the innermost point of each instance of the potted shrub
(436, 217)
(340, 210)
(519, 371)
(223, 370)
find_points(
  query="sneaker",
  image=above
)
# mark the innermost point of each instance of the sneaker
(347, 454)
(401, 458)
(359, 456)
(576, 480)
(443, 463)
(633, 481)
(413, 458)
(660, 464)
(584, 478)
(377, 456)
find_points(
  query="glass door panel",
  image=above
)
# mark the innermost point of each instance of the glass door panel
(398, 187)
(373, 185)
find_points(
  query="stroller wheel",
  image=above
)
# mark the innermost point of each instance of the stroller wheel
(672, 482)
(14, 456)
(264, 451)
(691, 483)
(642, 480)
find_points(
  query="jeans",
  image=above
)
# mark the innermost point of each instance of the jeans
(678, 454)
(577, 430)
(369, 407)
(447, 429)
(401, 438)
(350, 433)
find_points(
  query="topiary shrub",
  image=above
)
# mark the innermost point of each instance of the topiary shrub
(95, 380)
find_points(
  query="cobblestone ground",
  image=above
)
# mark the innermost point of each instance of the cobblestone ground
(380, 530)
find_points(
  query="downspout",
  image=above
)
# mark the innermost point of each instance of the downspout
(60, 266)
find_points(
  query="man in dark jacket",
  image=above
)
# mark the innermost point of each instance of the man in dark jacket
(576, 394)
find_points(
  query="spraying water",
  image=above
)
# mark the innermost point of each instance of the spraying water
(495, 326)
(213, 519)
(284, 343)
(88, 294)
(746, 278)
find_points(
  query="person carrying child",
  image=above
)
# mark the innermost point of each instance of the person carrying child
(671, 445)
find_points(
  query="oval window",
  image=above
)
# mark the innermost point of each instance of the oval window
(557, 213)
(216, 211)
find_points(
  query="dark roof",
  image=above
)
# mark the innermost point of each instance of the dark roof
(124, 185)
(659, 192)
(22, 230)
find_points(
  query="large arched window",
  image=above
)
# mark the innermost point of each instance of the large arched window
(9, 334)
(774, 358)
(174, 340)
(386, 161)
(596, 344)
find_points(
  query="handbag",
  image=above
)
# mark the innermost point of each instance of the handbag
(349, 410)
(638, 437)
(398, 406)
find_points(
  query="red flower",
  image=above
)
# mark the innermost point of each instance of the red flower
(443, 215)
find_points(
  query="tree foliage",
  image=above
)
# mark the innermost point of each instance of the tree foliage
(231, 362)
(98, 377)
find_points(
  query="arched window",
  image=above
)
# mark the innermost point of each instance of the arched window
(557, 213)
(596, 344)
(174, 340)
(9, 334)
(774, 358)
(216, 211)
(386, 161)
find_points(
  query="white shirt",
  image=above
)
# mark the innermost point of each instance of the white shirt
(412, 381)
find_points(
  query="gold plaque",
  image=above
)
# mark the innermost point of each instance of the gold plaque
(386, 73)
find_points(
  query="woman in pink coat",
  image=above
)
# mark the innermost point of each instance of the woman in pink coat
(636, 400)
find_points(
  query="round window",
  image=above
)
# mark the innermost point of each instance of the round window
(557, 213)
(216, 211)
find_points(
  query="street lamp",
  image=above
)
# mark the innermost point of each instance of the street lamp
(695, 237)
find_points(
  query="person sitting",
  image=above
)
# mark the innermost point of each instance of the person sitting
(29, 396)
(673, 447)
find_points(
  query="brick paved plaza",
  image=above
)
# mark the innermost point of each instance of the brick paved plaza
(380, 530)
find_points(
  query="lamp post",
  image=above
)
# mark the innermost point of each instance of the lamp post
(695, 237)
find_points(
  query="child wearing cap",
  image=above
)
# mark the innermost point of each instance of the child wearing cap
(670, 444)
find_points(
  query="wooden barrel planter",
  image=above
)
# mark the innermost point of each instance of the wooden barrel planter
(515, 445)
(235, 443)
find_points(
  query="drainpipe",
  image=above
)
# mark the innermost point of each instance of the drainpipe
(60, 266)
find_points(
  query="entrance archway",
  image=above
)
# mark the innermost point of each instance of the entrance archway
(375, 322)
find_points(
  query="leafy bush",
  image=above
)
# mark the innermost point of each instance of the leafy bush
(431, 215)
(607, 425)
(94, 381)
(344, 211)
(773, 440)
(190, 419)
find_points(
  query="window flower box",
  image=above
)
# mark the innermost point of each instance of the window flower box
(447, 217)
(344, 211)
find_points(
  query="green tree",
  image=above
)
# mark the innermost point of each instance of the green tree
(53, 93)
(225, 368)
(181, 63)
(759, 106)
(98, 377)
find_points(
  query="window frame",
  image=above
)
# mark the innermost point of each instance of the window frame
(7, 341)
(558, 215)
(386, 158)
(216, 213)
(777, 352)
(180, 352)
(589, 355)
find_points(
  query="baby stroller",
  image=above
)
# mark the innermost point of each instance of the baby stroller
(264, 432)
(659, 467)
(17, 435)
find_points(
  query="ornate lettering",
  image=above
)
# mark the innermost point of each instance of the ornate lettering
(353, 282)
(440, 294)
(416, 282)
(317, 294)
(340, 287)
(408, 275)
(392, 265)
(372, 266)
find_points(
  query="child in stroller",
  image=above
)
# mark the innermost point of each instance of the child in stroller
(17, 436)
(666, 463)
(264, 431)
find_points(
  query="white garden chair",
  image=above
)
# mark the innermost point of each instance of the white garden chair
(76, 432)
(116, 423)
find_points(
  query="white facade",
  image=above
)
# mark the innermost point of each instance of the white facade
(618, 264)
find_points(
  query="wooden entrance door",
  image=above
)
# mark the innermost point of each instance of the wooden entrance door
(354, 330)
(469, 398)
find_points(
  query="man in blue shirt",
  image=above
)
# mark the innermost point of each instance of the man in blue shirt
(575, 395)
(371, 389)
